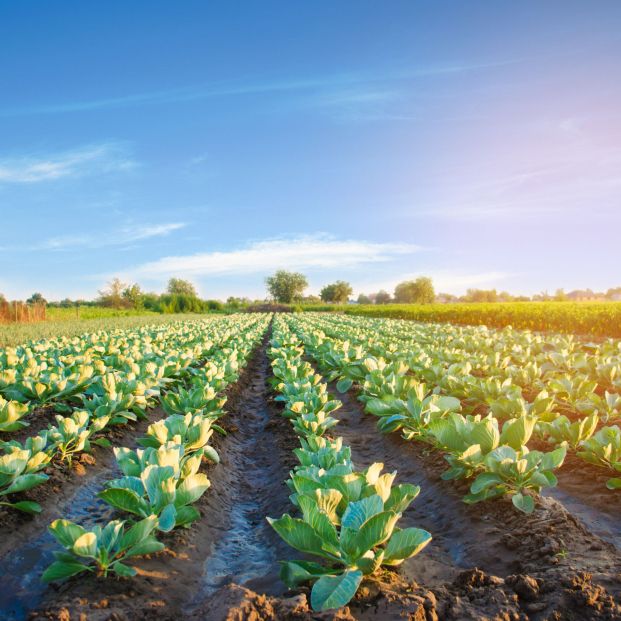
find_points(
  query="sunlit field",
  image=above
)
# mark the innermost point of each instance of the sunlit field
(599, 319)
(145, 454)
(310, 311)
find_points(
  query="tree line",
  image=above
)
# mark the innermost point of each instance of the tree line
(285, 287)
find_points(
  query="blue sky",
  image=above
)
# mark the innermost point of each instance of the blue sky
(475, 142)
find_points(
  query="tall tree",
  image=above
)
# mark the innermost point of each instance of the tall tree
(485, 295)
(419, 291)
(133, 294)
(364, 299)
(36, 298)
(338, 292)
(113, 294)
(285, 287)
(382, 297)
(178, 286)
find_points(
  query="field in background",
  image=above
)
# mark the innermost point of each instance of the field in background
(597, 319)
(92, 312)
(602, 319)
(18, 333)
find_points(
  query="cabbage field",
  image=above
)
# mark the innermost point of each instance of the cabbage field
(310, 466)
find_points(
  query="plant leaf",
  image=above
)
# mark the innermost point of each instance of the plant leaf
(335, 591)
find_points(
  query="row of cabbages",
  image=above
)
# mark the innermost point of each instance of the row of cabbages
(505, 371)
(476, 447)
(348, 517)
(161, 481)
(122, 384)
(557, 385)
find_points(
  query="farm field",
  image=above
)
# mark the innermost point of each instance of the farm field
(309, 466)
(595, 319)
(15, 334)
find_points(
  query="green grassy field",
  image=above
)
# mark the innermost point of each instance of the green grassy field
(92, 312)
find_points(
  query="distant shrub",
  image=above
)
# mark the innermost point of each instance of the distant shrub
(269, 308)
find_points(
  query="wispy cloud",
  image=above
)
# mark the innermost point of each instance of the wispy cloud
(306, 252)
(35, 168)
(584, 176)
(120, 237)
(256, 87)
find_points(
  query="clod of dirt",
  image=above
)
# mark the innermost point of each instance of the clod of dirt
(237, 603)
(79, 469)
(526, 587)
(587, 596)
(87, 458)
(475, 578)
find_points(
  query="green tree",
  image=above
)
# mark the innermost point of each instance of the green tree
(382, 297)
(133, 294)
(337, 292)
(285, 287)
(419, 291)
(364, 299)
(113, 294)
(36, 298)
(178, 286)
(481, 295)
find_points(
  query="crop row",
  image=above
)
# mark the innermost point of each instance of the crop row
(100, 381)
(161, 481)
(601, 319)
(347, 517)
(571, 387)
(459, 395)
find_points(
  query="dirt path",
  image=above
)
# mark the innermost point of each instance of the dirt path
(232, 541)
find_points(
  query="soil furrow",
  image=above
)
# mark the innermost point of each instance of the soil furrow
(57, 493)
(438, 510)
(492, 536)
(70, 493)
(582, 490)
(231, 542)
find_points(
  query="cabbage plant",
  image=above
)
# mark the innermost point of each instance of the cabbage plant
(158, 491)
(11, 415)
(100, 550)
(351, 526)
(413, 412)
(561, 429)
(72, 434)
(20, 470)
(133, 462)
(198, 400)
(322, 452)
(604, 450)
(311, 423)
(514, 473)
(192, 431)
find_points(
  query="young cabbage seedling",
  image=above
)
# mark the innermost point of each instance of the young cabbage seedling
(101, 550)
